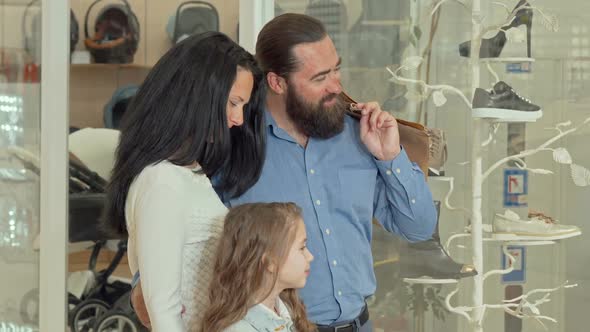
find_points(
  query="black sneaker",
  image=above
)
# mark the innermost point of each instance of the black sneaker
(505, 104)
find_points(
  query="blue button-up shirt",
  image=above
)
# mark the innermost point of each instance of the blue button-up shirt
(340, 187)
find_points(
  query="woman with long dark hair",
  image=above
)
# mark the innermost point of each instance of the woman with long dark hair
(197, 115)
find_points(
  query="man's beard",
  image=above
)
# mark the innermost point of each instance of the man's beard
(316, 120)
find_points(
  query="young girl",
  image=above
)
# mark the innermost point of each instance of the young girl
(198, 114)
(261, 260)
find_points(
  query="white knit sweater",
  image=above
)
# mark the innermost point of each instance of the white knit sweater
(174, 220)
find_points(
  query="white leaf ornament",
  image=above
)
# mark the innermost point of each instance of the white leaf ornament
(561, 156)
(580, 175)
(439, 98)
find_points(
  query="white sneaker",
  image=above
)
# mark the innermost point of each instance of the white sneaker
(509, 226)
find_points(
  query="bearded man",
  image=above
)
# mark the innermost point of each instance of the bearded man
(342, 172)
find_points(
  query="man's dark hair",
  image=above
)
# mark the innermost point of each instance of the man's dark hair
(276, 40)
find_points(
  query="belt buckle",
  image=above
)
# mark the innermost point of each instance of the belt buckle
(342, 327)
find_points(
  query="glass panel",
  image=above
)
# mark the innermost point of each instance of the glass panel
(373, 34)
(370, 35)
(19, 164)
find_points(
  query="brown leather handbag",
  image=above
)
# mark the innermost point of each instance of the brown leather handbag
(413, 136)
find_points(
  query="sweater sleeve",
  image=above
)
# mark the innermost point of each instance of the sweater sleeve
(160, 224)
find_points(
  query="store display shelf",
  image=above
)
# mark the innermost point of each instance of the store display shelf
(511, 239)
(430, 281)
(529, 238)
(108, 66)
(507, 59)
(505, 120)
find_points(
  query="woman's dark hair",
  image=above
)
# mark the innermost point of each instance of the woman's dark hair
(179, 115)
(276, 40)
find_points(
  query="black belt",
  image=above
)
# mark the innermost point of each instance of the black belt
(352, 326)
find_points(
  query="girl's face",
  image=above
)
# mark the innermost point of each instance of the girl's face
(294, 271)
(239, 95)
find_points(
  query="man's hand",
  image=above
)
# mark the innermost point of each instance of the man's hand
(139, 305)
(379, 131)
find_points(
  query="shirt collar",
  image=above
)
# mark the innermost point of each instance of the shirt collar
(265, 319)
(275, 129)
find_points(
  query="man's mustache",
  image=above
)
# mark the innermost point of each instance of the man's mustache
(329, 97)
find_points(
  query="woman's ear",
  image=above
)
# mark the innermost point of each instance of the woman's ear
(276, 83)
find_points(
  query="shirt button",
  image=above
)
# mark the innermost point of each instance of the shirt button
(397, 170)
(413, 201)
(334, 262)
(318, 202)
(328, 231)
(388, 172)
(312, 171)
(339, 293)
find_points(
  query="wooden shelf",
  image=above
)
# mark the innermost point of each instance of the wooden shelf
(108, 66)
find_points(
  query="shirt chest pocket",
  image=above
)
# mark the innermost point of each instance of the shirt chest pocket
(357, 190)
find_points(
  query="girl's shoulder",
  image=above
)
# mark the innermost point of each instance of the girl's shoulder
(261, 319)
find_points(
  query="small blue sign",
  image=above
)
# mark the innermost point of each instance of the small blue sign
(519, 67)
(518, 275)
(515, 187)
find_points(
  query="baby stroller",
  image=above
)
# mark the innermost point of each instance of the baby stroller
(104, 304)
(98, 301)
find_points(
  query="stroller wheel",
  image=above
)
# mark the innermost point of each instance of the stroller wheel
(116, 321)
(86, 313)
(29, 307)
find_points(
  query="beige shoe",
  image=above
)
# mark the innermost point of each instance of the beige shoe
(437, 148)
(509, 226)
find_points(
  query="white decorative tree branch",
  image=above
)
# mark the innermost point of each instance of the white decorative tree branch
(441, 2)
(542, 147)
(451, 181)
(426, 88)
(494, 129)
(453, 238)
(519, 309)
(524, 309)
(520, 164)
(461, 311)
(510, 268)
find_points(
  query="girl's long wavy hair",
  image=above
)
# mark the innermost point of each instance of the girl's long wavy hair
(254, 236)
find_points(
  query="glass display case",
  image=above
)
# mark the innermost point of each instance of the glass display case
(542, 59)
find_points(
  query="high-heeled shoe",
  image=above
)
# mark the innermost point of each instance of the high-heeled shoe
(429, 259)
(492, 47)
